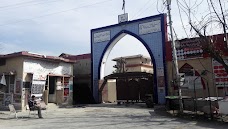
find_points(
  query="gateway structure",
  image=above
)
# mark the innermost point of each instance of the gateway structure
(151, 31)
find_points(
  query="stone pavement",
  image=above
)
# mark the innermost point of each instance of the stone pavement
(104, 116)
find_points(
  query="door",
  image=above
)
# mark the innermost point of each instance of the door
(52, 89)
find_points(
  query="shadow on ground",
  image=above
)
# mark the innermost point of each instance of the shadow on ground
(187, 118)
(111, 105)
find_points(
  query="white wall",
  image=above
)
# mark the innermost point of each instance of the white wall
(45, 67)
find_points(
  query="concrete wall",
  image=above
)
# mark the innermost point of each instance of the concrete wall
(137, 60)
(146, 69)
(133, 61)
(111, 85)
(82, 72)
(82, 67)
(134, 69)
(109, 91)
(35, 67)
(199, 65)
(137, 64)
(47, 67)
(13, 64)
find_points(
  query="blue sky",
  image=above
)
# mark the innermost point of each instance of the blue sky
(53, 27)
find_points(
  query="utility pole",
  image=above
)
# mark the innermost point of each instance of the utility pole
(175, 56)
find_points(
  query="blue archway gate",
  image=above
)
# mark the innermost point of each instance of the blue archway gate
(151, 31)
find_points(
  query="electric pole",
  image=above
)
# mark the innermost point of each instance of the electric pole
(175, 56)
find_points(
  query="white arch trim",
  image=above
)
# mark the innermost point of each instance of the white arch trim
(103, 63)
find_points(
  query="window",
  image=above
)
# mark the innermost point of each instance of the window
(27, 84)
(2, 62)
(10, 81)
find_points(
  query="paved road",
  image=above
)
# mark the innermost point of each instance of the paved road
(107, 117)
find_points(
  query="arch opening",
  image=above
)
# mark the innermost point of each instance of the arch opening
(117, 48)
(150, 31)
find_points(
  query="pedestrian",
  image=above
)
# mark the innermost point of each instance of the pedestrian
(33, 105)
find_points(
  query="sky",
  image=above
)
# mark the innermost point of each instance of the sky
(52, 27)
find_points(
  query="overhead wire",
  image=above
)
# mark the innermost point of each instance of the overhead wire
(63, 11)
(16, 4)
(197, 5)
(181, 18)
(158, 9)
(3, 8)
(184, 8)
(144, 10)
(141, 8)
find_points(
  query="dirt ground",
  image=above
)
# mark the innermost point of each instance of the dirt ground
(105, 116)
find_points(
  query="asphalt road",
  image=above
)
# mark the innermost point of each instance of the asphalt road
(104, 117)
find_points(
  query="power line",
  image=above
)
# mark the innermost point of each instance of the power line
(57, 12)
(141, 8)
(6, 6)
(23, 5)
(157, 8)
(145, 10)
(197, 5)
(189, 12)
(181, 18)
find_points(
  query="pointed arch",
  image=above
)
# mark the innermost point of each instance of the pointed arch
(190, 71)
(113, 42)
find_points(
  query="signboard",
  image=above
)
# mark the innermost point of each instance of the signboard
(39, 76)
(38, 84)
(220, 74)
(101, 36)
(189, 49)
(37, 87)
(66, 92)
(150, 27)
(123, 18)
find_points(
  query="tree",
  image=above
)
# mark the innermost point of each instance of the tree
(215, 19)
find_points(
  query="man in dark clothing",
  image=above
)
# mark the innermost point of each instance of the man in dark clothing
(34, 106)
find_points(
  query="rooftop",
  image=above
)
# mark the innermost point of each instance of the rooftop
(131, 57)
(35, 55)
(76, 57)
